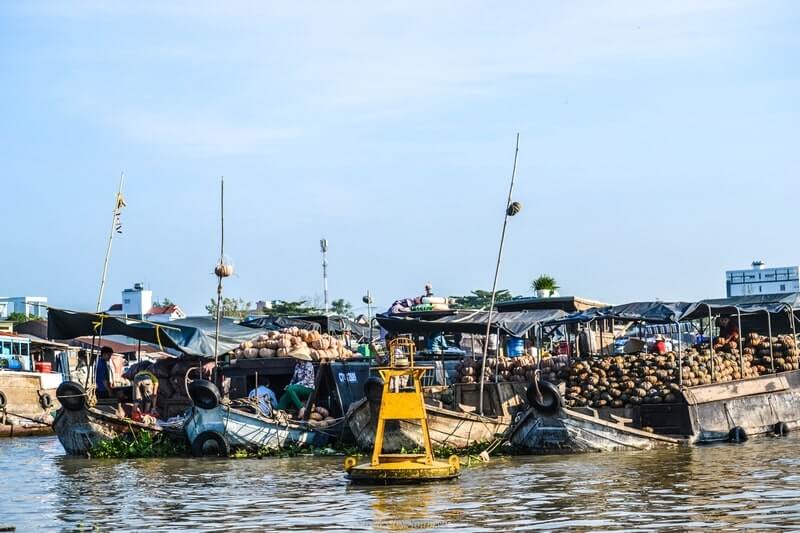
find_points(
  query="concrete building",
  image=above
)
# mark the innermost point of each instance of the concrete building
(30, 305)
(762, 280)
(138, 303)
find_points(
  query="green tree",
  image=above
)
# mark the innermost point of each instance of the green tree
(165, 302)
(342, 307)
(21, 317)
(478, 299)
(231, 307)
(292, 308)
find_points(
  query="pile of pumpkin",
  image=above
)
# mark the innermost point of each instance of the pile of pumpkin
(320, 417)
(784, 355)
(293, 341)
(645, 378)
(508, 369)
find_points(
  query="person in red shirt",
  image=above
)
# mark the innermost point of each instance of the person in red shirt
(660, 346)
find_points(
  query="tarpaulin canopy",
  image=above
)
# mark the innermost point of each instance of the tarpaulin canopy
(334, 324)
(275, 323)
(512, 323)
(651, 312)
(191, 336)
(757, 303)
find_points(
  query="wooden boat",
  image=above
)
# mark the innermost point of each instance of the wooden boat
(571, 431)
(80, 427)
(214, 428)
(448, 428)
(729, 411)
(27, 397)
(452, 428)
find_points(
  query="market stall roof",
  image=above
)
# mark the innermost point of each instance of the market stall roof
(757, 303)
(653, 312)
(334, 324)
(511, 323)
(275, 323)
(191, 336)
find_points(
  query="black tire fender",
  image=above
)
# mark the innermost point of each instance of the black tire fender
(373, 389)
(549, 402)
(45, 400)
(2, 400)
(71, 396)
(211, 443)
(781, 429)
(737, 434)
(204, 394)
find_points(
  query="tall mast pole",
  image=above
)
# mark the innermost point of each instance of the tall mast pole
(508, 213)
(110, 240)
(220, 270)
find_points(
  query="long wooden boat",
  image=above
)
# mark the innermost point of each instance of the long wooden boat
(215, 428)
(730, 411)
(448, 428)
(26, 402)
(79, 427)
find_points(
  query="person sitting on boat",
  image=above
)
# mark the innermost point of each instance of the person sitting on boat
(81, 372)
(103, 375)
(660, 346)
(300, 388)
(145, 385)
(265, 397)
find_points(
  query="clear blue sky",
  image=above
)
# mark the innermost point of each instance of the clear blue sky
(659, 145)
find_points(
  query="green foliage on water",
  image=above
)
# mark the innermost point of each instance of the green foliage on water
(294, 450)
(141, 444)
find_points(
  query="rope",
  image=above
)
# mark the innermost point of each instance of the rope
(27, 418)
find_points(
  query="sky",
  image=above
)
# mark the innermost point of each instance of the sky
(658, 146)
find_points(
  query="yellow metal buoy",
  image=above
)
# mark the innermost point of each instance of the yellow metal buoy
(402, 400)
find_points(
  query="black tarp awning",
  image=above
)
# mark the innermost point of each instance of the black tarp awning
(760, 303)
(275, 323)
(191, 336)
(651, 312)
(512, 323)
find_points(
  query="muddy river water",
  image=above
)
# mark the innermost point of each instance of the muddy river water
(755, 485)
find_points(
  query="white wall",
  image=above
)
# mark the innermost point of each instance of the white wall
(756, 281)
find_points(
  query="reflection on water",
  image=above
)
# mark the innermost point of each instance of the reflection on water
(755, 485)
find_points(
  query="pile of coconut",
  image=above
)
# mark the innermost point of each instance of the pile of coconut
(290, 342)
(784, 352)
(508, 369)
(320, 417)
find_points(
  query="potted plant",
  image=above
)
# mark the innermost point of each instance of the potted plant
(545, 286)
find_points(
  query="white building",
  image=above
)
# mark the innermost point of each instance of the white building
(761, 280)
(30, 305)
(136, 302)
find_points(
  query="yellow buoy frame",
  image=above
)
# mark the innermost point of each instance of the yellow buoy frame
(402, 399)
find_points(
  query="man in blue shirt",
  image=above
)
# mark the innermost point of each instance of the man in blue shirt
(103, 375)
(265, 397)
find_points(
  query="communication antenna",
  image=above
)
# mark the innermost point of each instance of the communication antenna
(323, 247)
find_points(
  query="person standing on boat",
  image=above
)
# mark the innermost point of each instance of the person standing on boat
(145, 384)
(300, 388)
(728, 328)
(103, 374)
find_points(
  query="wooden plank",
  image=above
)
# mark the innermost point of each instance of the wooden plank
(735, 389)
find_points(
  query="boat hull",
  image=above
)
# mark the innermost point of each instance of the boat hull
(32, 396)
(249, 431)
(80, 430)
(569, 431)
(448, 429)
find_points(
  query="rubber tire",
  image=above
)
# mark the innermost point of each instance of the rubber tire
(781, 429)
(737, 434)
(373, 389)
(223, 448)
(204, 394)
(45, 401)
(551, 400)
(2, 400)
(71, 396)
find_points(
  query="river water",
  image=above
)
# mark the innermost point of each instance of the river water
(755, 485)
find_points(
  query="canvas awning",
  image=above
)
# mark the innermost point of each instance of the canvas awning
(190, 336)
(761, 303)
(511, 323)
